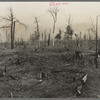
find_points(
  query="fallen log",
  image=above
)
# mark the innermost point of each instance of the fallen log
(84, 79)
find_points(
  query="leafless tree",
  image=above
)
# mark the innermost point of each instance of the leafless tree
(49, 38)
(95, 30)
(37, 23)
(77, 40)
(13, 20)
(68, 20)
(37, 30)
(45, 36)
(85, 37)
(58, 36)
(89, 37)
(80, 35)
(89, 32)
(69, 30)
(42, 37)
(54, 12)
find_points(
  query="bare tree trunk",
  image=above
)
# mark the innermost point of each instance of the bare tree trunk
(12, 42)
(6, 37)
(96, 41)
(38, 33)
(12, 21)
(53, 34)
(42, 39)
(37, 28)
(45, 38)
(54, 12)
(49, 40)
(39, 42)
(13, 32)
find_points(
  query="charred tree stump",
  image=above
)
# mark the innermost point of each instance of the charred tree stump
(77, 55)
(42, 76)
(4, 71)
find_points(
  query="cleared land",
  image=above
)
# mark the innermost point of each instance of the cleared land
(24, 66)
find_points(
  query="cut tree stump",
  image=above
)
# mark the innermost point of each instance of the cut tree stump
(84, 79)
(42, 75)
(79, 87)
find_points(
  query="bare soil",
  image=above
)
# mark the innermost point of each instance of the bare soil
(24, 66)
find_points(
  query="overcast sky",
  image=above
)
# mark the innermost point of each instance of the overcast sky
(80, 13)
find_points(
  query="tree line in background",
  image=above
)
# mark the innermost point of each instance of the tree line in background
(45, 38)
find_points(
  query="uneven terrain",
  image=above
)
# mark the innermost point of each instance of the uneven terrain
(24, 65)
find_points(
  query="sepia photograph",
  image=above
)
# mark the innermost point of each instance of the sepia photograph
(50, 49)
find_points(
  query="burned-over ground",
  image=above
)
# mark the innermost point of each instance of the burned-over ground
(24, 66)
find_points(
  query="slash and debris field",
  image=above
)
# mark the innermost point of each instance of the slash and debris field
(63, 74)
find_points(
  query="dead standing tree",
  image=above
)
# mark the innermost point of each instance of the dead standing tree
(69, 31)
(45, 36)
(89, 36)
(80, 38)
(85, 37)
(37, 30)
(54, 12)
(49, 38)
(13, 20)
(77, 41)
(95, 31)
(58, 37)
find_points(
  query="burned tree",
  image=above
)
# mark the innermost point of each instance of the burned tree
(80, 38)
(45, 36)
(78, 53)
(37, 30)
(89, 33)
(95, 31)
(54, 12)
(42, 37)
(69, 31)
(13, 20)
(58, 36)
(77, 41)
(85, 37)
(80, 35)
(49, 38)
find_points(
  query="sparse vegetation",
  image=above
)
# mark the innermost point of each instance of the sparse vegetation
(49, 66)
